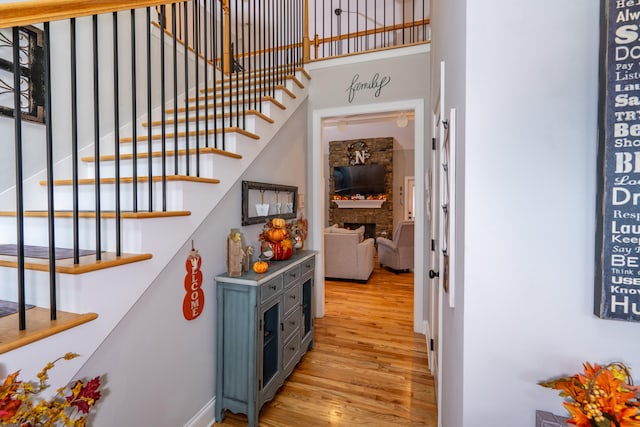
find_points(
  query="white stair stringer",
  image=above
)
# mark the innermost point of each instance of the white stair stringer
(162, 237)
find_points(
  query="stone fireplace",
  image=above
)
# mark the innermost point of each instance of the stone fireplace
(377, 220)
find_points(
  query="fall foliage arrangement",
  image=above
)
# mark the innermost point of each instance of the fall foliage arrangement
(602, 396)
(70, 406)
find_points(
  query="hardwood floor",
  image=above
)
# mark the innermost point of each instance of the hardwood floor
(367, 367)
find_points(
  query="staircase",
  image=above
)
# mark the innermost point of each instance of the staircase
(94, 295)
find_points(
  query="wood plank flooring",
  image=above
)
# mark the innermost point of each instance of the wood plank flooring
(367, 367)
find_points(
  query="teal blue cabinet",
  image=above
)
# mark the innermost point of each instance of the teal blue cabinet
(264, 327)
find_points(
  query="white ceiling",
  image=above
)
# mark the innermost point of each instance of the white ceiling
(370, 126)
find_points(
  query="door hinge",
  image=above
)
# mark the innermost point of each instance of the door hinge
(260, 327)
(259, 384)
(433, 245)
(432, 345)
(433, 144)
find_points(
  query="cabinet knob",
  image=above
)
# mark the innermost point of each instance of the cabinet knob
(292, 296)
(273, 287)
(293, 275)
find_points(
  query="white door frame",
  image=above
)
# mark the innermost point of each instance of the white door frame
(317, 199)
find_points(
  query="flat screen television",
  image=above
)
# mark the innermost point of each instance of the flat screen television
(358, 179)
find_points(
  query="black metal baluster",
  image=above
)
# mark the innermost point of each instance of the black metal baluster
(74, 143)
(404, 18)
(134, 111)
(230, 67)
(384, 35)
(206, 74)
(196, 48)
(175, 86)
(17, 120)
(263, 57)
(366, 24)
(116, 126)
(357, 39)
(149, 107)
(272, 49)
(215, 56)
(186, 88)
(225, 59)
(236, 67)
(252, 87)
(394, 23)
(244, 84)
(96, 137)
(163, 103)
(53, 303)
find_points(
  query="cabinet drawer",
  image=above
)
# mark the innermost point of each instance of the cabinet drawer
(291, 351)
(307, 266)
(291, 275)
(271, 288)
(291, 324)
(292, 298)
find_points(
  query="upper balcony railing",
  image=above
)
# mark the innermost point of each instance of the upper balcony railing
(345, 27)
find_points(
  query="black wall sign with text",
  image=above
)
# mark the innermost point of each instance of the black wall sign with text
(617, 283)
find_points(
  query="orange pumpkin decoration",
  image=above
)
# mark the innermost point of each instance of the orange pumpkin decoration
(278, 223)
(277, 234)
(260, 266)
(282, 250)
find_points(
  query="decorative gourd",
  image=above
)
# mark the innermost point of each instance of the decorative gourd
(278, 223)
(260, 266)
(282, 250)
(277, 234)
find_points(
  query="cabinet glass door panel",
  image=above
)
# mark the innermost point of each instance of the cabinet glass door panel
(306, 305)
(270, 347)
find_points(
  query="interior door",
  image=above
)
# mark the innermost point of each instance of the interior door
(437, 204)
(409, 197)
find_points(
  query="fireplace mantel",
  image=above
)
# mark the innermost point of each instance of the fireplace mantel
(359, 204)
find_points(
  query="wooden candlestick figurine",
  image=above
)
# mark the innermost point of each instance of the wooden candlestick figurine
(235, 254)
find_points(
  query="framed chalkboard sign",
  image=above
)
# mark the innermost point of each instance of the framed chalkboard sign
(617, 282)
(262, 202)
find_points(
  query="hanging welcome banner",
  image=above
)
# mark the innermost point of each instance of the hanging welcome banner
(193, 302)
(617, 287)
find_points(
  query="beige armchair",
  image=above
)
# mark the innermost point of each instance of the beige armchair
(347, 254)
(397, 254)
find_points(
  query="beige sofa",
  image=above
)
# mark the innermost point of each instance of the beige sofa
(347, 254)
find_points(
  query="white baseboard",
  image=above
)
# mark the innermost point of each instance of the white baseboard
(205, 416)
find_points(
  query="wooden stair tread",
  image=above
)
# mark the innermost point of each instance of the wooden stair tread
(87, 264)
(103, 214)
(211, 117)
(141, 179)
(158, 136)
(168, 153)
(233, 102)
(243, 81)
(265, 72)
(235, 92)
(39, 326)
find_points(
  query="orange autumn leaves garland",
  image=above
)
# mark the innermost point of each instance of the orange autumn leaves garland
(70, 406)
(603, 396)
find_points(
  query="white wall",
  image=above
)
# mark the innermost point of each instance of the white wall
(524, 308)
(160, 368)
(448, 44)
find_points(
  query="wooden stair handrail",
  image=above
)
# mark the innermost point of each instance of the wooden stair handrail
(317, 42)
(35, 11)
